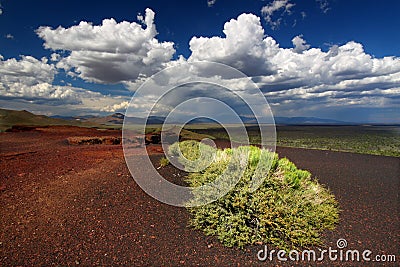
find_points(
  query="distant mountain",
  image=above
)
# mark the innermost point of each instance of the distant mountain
(202, 121)
(113, 119)
(282, 120)
(308, 121)
(155, 120)
(68, 118)
(74, 118)
(150, 120)
(9, 118)
(118, 119)
(278, 120)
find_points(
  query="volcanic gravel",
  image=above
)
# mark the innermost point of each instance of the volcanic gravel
(64, 204)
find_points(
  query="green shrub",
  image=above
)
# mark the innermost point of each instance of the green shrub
(195, 155)
(289, 209)
(164, 162)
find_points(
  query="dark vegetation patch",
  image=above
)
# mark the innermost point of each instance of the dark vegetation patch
(373, 140)
(94, 140)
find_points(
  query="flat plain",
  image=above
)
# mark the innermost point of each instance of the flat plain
(66, 204)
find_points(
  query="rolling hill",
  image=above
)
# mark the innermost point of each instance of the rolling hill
(9, 118)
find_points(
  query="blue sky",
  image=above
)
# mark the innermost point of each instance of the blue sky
(351, 46)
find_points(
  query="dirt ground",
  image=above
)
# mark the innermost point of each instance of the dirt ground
(63, 204)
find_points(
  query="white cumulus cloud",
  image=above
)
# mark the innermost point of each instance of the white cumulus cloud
(210, 3)
(303, 78)
(300, 45)
(111, 52)
(273, 7)
(324, 5)
(244, 46)
(30, 81)
(41, 92)
(116, 107)
(28, 70)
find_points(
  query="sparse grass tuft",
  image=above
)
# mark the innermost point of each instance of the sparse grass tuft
(164, 162)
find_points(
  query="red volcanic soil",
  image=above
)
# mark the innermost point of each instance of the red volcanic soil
(65, 204)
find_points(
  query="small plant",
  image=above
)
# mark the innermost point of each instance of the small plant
(164, 162)
(289, 210)
(195, 155)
